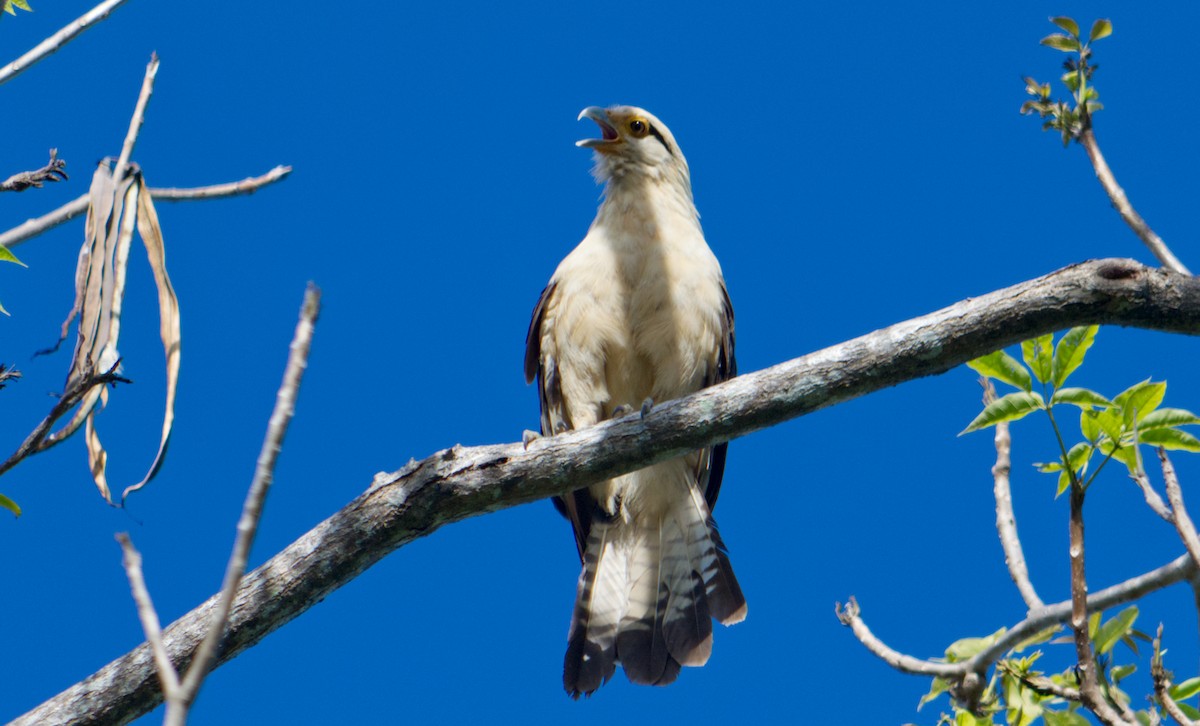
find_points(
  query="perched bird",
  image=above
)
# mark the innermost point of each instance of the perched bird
(638, 313)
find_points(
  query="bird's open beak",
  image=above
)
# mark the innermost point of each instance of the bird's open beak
(608, 132)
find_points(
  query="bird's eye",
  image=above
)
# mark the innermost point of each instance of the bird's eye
(638, 127)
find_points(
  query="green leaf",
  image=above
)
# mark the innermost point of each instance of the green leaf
(1004, 368)
(1088, 425)
(10, 505)
(1167, 417)
(1064, 481)
(1071, 80)
(1111, 423)
(1118, 673)
(966, 648)
(1038, 354)
(1006, 408)
(1067, 24)
(1049, 467)
(1190, 711)
(1077, 457)
(1058, 41)
(1140, 399)
(1185, 690)
(1064, 718)
(1102, 28)
(1071, 349)
(8, 256)
(1170, 439)
(937, 688)
(1037, 638)
(1127, 455)
(1080, 397)
(1109, 634)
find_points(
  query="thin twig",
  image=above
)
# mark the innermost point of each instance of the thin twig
(1041, 684)
(1178, 570)
(76, 390)
(1087, 138)
(51, 172)
(249, 185)
(59, 39)
(1183, 522)
(33, 227)
(135, 121)
(1006, 521)
(1162, 684)
(285, 407)
(146, 613)
(850, 615)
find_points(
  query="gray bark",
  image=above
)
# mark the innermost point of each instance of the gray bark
(462, 482)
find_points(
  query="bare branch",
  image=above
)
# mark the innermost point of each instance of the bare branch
(58, 40)
(1121, 203)
(851, 617)
(249, 185)
(135, 121)
(285, 407)
(33, 227)
(461, 482)
(1006, 520)
(1183, 522)
(146, 613)
(1041, 684)
(1154, 501)
(51, 172)
(1090, 694)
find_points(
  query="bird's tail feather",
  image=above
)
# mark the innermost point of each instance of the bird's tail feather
(599, 605)
(647, 597)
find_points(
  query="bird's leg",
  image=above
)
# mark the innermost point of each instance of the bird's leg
(647, 405)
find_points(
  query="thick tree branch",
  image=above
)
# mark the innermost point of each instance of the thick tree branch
(458, 483)
(1120, 202)
(58, 40)
(33, 227)
(51, 172)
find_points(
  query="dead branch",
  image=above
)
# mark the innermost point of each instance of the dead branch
(181, 694)
(457, 483)
(51, 172)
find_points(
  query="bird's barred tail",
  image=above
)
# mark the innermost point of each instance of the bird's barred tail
(647, 596)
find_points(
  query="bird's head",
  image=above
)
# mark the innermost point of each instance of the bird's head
(633, 141)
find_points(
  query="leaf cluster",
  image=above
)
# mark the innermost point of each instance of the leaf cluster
(1069, 119)
(1109, 428)
(1019, 694)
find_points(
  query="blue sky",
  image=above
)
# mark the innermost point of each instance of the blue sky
(855, 164)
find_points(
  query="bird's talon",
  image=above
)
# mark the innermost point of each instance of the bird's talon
(528, 437)
(646, 406)
(621, 411)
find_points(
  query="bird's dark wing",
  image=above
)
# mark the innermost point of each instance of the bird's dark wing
(711, 467)
(578, 507)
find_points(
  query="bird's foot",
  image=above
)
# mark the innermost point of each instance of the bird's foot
(621, 411)
(647, 405)
(528, 437)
